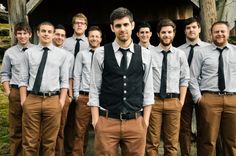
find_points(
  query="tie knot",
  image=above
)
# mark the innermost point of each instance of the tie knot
(45, 49)
(24, 49)
(165, 52)
(221, 50)
(124, 51)
(91, 50)
(78, 39)
(193, 45)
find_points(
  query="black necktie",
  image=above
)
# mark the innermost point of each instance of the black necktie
(24, 49)
(39, 76)
(123, 63)
(190, 56)
(92, 51)
(221, 77)
(77, 46)
(164, 75)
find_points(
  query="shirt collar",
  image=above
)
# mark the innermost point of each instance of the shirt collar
(83, 37)
(116, 46)
(160, 49)
(50, 47)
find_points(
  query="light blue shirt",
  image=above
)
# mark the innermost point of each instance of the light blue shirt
(205, 66)
(82, 71)
(177, 69)
(70, 43)
(56, 71)
(11, 64)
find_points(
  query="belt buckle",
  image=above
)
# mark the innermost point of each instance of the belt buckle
(222, 93)
(49, 93)
(121, 117)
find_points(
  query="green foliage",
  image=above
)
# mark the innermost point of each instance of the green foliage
(232, 39)
(4, 137)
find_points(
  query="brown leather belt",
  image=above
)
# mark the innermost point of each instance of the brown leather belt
(219, 93)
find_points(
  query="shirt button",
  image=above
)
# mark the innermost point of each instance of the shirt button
(124, 98)
(125, 91)
(124, 77)
(125, 84)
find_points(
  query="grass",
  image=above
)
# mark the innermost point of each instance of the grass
(4, 137)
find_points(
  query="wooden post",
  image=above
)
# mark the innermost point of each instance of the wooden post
(208, 17)
(17, 13)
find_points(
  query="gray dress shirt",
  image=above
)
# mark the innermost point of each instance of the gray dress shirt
(82, 71)
(98, 66)
(186, 47)
(56, 71)
(177, 69)
(205, 66)
(11, 64)
(70, 43)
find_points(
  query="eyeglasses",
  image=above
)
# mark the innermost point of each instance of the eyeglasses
(80, 23)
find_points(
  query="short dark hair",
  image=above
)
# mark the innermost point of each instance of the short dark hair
(165, 22)
(45, 23)
(191, 20)
(60, 26)
(121, 12)
(220, 22)
(22, 26)
(93, 28)
(143, 25)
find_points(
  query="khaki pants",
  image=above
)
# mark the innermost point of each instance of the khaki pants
(82, 119)
(186, 125)
(40, 113)
(165, 116)
(111, 133)
(15, 123)
(60, 137)
(216, 112)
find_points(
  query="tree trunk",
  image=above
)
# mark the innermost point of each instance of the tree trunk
(208, 17)
(17, 13)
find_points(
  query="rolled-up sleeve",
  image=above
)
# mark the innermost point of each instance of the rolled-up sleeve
(96, 77)
(195, 71)
(64, 74)
(148, 94)
(77, 74)
(184, 71)
(24, 72)
(6, 68)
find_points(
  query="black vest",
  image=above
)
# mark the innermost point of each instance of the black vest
(122, 92)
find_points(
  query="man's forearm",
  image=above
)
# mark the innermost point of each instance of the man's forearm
(146, 113)
(95, 115)
(23, 94)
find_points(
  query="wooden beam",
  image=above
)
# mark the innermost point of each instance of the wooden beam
(16, 14)
(31, 5)
(208, 17)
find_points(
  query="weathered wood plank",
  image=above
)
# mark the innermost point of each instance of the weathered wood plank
(31, 5)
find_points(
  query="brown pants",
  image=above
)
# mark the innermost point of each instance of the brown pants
(40, 113)
(69, 129)
(216, 112)
(129, 134)
(15, 123)
(60, 137)
(82, 118)
(166, 115)
(186, 125)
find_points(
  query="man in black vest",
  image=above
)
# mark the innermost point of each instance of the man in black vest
(121, 91)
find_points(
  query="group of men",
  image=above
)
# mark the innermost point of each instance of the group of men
(135, 93)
